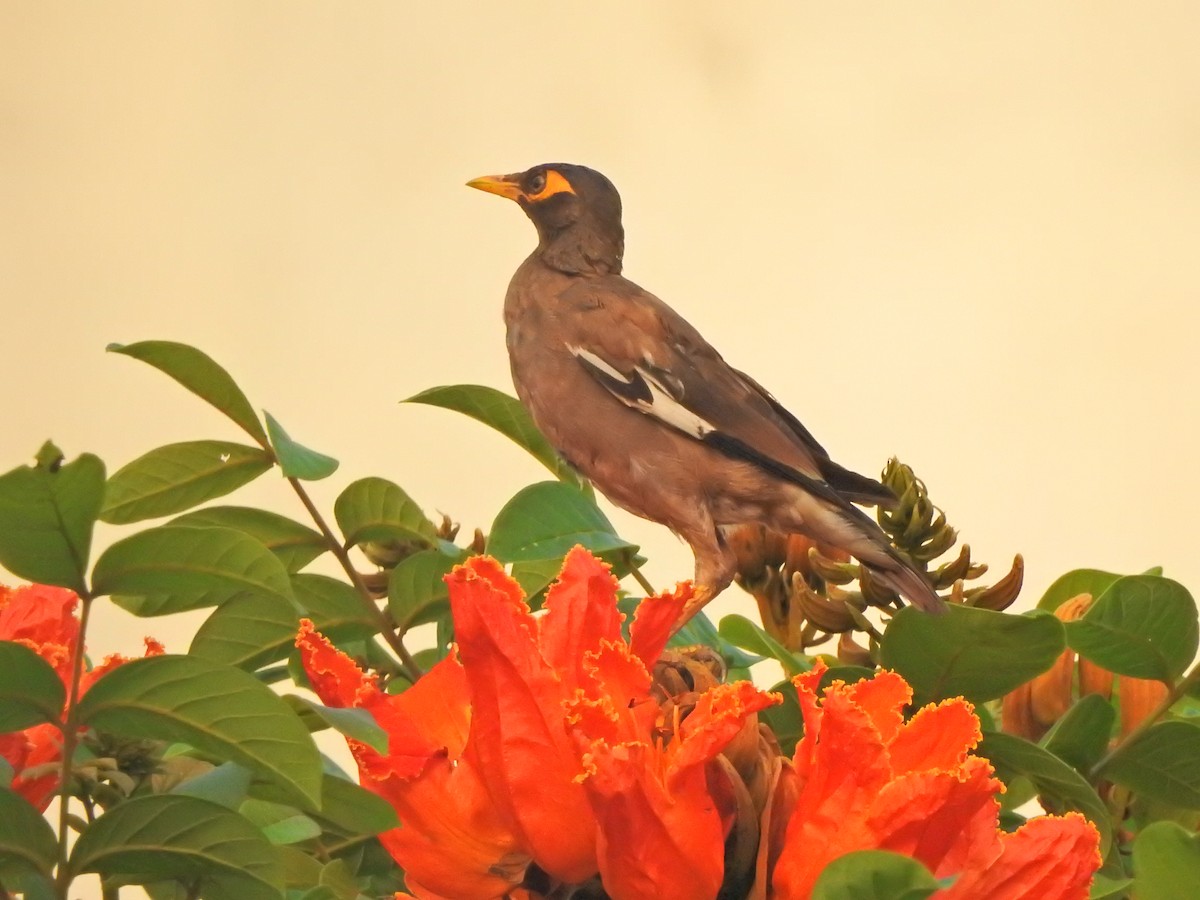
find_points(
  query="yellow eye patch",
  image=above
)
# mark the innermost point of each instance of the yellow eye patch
(555, 184)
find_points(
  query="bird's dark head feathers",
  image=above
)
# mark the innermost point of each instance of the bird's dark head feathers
(576, 210)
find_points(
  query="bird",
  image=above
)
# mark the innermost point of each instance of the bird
(635, 399)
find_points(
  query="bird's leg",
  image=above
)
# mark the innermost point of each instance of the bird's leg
(715, 565)
(700, 597)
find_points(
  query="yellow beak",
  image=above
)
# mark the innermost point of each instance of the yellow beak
(504, 185)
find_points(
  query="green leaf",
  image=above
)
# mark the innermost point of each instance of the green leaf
(973, 653)
(1166, 858)
(874, 875)
(1059, 786)
(227, 784)
(1073, 583)
(192, 567)
(545, 520)
(784, 719)
(27, 842)
(1163, 764)
(251, 630)
(30, 691)
(506, 415)
(214, 708)
(334, 606)
(296, 460)
(279, 823)
(47, 512)
(700, 629)
(1081, 736)
(197, 372)
(1142, 626)
(170, 836)
(346, 808)
(176, 477)
(1106, 888)
(374, 509)
(353, 723)
(295, 544)
(353, 809)
(417, 591)
(741, 632)
(534, 576)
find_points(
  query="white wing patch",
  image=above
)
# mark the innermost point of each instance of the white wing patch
(661, 405)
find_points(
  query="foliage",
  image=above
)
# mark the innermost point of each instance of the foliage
(196, 774)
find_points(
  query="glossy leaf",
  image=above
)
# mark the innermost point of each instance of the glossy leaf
(1166, 857)
(296, 460)
(785, 719)
(47, 512)
(1081, 736)
(741, 632)
(506, 415)
(197, 372)
(295, 544)
(227, 784)
(191, 566)
(1106, 888)
(374, 509)
(701, 630)
(170, 836)
(30, 690)
(1143, 626)
(251, 630)
(279, 823)
(874, 875)
(354, 809)
(1058, 785)
(334, 606)
(215, 708)
(1073, 583)
(176, 477)
(973, 653)
(1163, 764)
(27, 842)
(353, 723)
(545, 520)
(417, 591)
(345, 807)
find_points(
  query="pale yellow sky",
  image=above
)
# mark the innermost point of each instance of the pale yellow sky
(962, 233)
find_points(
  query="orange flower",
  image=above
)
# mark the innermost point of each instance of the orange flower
(866, 779)
(43, 619)
(453, 842)
(1031, 709)
(543, 744)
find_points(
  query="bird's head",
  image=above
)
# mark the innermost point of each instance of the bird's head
(576, 210)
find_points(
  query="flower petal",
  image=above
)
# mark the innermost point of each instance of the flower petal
(937, 737)
(716, 720)
(581, 612)
(518, 732)
(42, 618)
(1050, 856)
(939, 818)
(653, 843)
(654, 620)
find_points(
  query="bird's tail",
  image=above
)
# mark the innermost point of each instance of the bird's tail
(901, 577)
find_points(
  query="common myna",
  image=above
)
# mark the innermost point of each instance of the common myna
(634, 398)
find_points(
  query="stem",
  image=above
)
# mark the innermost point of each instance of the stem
(386, 629)
(636, 572)
(70, 742)
(1173, 695)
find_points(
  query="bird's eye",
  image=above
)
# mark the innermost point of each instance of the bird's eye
(537, 183)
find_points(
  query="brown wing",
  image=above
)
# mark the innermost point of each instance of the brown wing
(651, 359)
